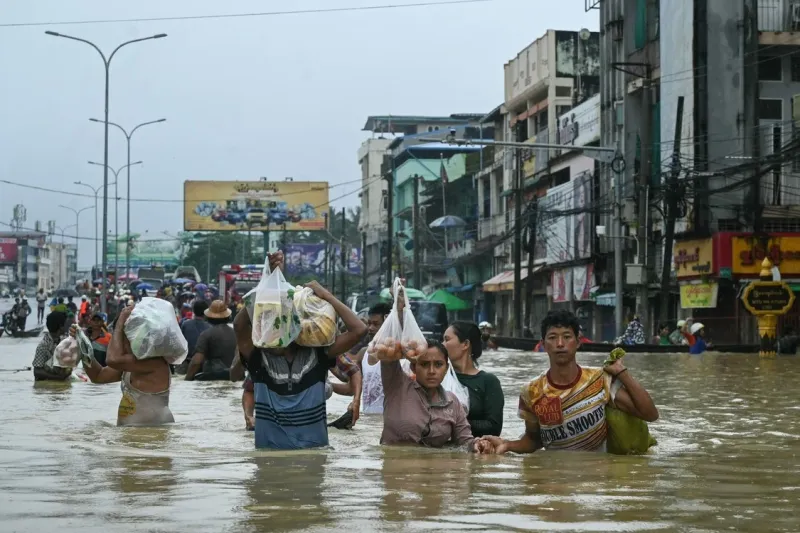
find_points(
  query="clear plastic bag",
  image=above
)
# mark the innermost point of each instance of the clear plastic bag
(412, 341)
(317, 319)
(154, 332)
(85, 348)
(276, 324)
(451, 384)
(384, 344)
(66, 354)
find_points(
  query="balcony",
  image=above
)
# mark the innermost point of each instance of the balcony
(493, 226)
(779, 22)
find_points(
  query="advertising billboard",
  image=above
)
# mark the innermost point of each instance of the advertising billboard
(8, 250)
(254, 205)
(144, 252)
(303, 259)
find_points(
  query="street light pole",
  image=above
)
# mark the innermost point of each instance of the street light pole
(128, 200)
(106, 63)
(95, 191)
(116, 218)
(77, 224)
(61, 253)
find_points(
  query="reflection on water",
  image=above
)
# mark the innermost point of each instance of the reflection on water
(727, 459)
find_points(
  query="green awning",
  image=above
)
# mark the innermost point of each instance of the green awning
(795, 287)
(413, 294)
(452, 303)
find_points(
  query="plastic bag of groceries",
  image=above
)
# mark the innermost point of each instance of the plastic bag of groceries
(412, 341)
(66, 354)
(85, 348)
(153, 332)
(317, 318)
(275, 321)
(384, 344)
(451, 384)
(627, 435)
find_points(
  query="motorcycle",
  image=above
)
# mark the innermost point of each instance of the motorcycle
(9, 326)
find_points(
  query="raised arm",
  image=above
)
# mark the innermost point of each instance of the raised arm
(120, 358)
(244, 333)
(632, 397)
(355, 327)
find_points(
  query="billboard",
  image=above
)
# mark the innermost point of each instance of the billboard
(304, 259)
(8, 250)
(144, 252)
(254, 205)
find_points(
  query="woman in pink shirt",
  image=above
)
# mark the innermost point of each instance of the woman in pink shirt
(419, 411)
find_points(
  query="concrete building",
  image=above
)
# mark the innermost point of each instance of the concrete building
(23, 270)
(374, 157)
(63, 265)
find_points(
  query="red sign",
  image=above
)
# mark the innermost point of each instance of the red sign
(8, 250)
(548, 410)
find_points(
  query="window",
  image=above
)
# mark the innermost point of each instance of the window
(769, 68)
(795, 68)
(770, 109)
(563, 91)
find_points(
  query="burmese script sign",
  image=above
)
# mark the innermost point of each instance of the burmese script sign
(768, 298)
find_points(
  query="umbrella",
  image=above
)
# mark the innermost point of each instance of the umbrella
(448, 221)
(187, 293)
(201, 287)
(412, 294)
(181, 281)
(451, 303)
(145, 286)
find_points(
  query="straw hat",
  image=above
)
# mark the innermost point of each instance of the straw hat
(217, 309)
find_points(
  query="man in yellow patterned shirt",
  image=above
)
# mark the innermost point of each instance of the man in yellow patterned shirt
(564, 408)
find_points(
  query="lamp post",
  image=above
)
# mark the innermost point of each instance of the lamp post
(96, 191)
(106, 63)
(116, 218)
(77, 224)
(128, 201)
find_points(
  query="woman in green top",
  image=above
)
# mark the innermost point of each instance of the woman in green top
(486, 400)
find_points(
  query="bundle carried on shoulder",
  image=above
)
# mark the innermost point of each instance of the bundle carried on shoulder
(317, 318)
(153, 332)
(627, 434)
(276, 323)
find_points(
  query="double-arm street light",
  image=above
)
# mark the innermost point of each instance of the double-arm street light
(77, 223)
(95, 191)
(128, 206)
(116, 218)
(106, 63)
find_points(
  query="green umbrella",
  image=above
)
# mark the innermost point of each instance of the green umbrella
(452, 303)
(412, 294)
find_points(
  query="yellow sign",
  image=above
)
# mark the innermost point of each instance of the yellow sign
(747, 254)
(529, 160)
(255, 205)
(694, 258)
(699, 295)
(768, 298)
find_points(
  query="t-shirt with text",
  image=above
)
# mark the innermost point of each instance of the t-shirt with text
(571, 417)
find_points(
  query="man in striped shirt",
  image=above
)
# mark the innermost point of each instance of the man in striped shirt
(289, 383)
(564, 408)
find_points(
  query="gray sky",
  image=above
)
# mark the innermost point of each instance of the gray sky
(244, 97)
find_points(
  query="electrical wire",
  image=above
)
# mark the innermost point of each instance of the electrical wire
(247, 15)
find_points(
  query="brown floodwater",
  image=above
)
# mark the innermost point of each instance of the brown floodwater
(727, 460)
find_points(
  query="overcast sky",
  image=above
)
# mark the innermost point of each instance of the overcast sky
(243, 97)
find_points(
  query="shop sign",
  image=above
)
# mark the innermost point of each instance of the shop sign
(768, 298)
(699, 295)
(694, 258)
(748, 253)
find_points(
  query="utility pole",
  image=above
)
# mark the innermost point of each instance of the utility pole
(265, 235)
(752, 138)
(518, 318)
(532, 220)
(388, 174)
(343, 256)
(363, 261)
(327, 250)
(416, 233)
(643, 233)
(671, 198)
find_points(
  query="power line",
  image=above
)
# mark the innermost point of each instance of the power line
(247, 15)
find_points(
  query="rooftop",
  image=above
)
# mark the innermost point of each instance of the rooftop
(381, 123)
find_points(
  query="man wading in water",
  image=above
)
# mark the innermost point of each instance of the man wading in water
(564, 408)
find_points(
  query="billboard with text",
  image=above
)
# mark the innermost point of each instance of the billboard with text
(304, 259)
(254, 205)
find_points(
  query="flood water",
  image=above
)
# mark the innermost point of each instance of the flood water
(727, 460)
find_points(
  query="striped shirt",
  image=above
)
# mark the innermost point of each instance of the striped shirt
(571, 417)
(290, 398)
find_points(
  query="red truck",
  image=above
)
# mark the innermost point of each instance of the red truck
(237, 280)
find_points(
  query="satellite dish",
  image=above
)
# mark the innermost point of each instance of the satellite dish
(585, 34)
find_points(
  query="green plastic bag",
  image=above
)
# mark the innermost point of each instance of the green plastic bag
(627, 435)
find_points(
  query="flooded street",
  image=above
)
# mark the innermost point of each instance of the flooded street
(727, 460)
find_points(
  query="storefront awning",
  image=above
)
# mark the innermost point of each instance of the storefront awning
(503, 281)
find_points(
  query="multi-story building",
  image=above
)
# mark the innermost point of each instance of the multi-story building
(542, 83)
(63, 265)
(735, 65)
(26, 263)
